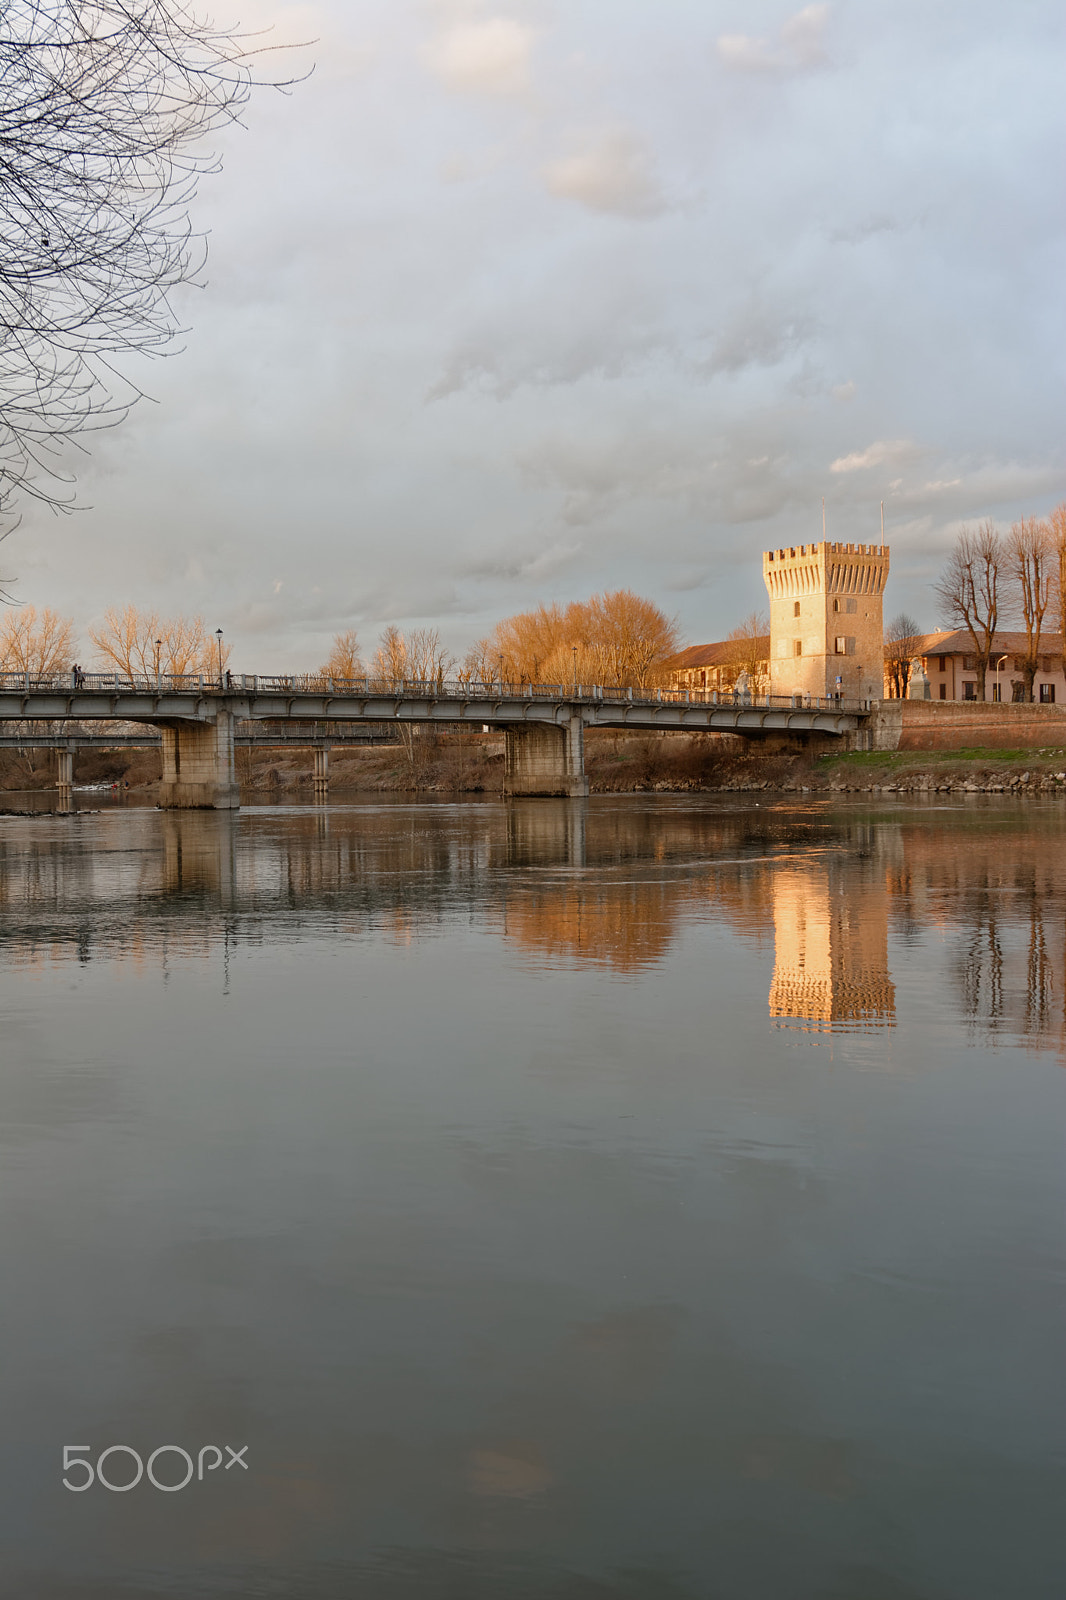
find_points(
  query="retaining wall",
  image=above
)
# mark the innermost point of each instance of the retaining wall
(965, 725)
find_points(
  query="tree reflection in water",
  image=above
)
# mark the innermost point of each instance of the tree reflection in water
(612, 882)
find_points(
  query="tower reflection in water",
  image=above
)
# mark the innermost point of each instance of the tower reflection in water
(620, 886)
(831, 944)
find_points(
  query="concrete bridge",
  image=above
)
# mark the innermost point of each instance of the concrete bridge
(544, 724)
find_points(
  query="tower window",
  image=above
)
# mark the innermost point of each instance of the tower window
(841, 645)
(797, 647)
(795, 608)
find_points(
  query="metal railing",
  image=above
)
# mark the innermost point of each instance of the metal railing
(466, 689)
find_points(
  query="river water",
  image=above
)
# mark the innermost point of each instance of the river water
(653, 1197)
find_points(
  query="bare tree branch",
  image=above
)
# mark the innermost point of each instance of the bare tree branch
(103, 108)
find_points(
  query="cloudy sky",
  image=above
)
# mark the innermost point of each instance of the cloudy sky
(516, 300)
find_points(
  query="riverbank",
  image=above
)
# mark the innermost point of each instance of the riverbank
(617, 763)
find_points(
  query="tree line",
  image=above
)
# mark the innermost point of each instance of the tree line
(131, 641)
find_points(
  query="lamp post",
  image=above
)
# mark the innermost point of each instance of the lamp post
(218, 636)
(574, 649)
(501, 669)
(999, 692)
(158, 647)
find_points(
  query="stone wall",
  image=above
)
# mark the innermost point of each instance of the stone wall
(966, 725)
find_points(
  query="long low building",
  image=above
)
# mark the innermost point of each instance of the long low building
(949, 662)
(720, 665)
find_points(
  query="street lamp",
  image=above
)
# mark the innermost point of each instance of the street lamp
(501, 669)
(218, 636)
(158, 647)
(574, 649)
(999, 693)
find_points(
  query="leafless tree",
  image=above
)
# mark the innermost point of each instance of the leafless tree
(1031, 570)
(750, 654)
(38, 644)
(141, 643)
(902, 643)
(344, 661)
(969, 591)
(1057, 529)
(614, 638)
(104, 105)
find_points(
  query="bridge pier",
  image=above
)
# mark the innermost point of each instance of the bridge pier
(65, 778)
(545, 758)
(198, 768)
(322, 772)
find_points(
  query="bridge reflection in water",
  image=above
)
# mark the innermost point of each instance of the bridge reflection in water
(823, 903)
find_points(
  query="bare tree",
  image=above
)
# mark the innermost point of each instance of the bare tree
(479, 663)
(750, 652)
(36, 643)
(141, 643)
(103, 108)
(616, 638)
(969, 591)
(1031, 571)
(391, 657)
(1057, 530)
(344, 661)
(902, 643)
(427, 659)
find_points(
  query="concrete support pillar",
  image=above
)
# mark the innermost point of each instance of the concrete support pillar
(322, 772)
(65, 778)
(198, 767)
(545, 758)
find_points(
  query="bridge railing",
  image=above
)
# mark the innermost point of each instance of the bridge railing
(465, 689)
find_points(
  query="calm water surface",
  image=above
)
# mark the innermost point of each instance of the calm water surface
(651, 1197)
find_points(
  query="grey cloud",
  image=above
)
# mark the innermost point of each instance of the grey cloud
(556, 333)
(656, 467)
(757, 337)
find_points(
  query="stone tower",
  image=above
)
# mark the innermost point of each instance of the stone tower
(826, 624)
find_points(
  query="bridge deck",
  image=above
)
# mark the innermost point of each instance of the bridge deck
(248, 698)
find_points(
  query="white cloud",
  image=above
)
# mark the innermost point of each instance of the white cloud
(875, 455)
(797, 48)
(611, 172)
(486, 55)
